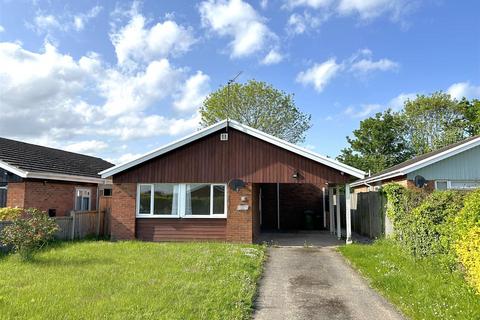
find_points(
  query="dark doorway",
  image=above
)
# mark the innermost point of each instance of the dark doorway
(301, 207)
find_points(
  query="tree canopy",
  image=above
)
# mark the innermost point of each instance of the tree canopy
(426, 123)
(258, 105)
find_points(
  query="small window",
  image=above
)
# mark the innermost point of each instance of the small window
(52, 213)
(198, 199)
(218, 199)
(165, 199)
(464, 185)
(82, 199)
(107, 192)
(441, 185)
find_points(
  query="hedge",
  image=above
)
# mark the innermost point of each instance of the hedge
(445, 224)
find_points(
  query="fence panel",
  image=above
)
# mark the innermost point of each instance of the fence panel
(369, 217)
(65, 228)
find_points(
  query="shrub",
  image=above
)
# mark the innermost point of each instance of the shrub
(433, 227)
(10, 213)
(29, 232)
(468, 237)
(468, 251)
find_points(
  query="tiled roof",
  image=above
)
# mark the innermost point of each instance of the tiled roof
(34, 158)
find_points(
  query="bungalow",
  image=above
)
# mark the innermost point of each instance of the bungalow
(51, 180)
(456, 166)
(227, 182)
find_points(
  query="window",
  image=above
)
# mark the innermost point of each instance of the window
(82, 199)
(456, 185)
(441, 185)
(107, 192)
(181, 200)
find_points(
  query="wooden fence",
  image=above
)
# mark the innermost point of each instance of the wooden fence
(83, 224)
(368, 214)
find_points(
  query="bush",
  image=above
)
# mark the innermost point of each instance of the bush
(433, 227)
(29, 233)
(10, 213)
(468, 251)
(468, 237)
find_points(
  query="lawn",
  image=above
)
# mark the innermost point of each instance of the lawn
(132, 280)
(421, 289)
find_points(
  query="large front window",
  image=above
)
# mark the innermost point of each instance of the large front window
(181, 200)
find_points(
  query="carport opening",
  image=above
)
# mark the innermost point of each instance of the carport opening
(291, 207)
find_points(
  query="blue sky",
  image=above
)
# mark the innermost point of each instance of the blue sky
(117, 78)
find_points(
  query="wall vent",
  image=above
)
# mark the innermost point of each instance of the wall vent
(223, 136)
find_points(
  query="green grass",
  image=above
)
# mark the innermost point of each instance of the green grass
(421, 289)
(132, 280)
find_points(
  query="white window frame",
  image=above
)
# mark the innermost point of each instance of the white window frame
(89, 198)
(182, 192)
(449, 184)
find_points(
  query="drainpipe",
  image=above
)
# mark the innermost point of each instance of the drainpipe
(278, 206)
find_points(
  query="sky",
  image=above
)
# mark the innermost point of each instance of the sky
(116, 79)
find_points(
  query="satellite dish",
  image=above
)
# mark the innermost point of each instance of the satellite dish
(237, 184)
(419, 181)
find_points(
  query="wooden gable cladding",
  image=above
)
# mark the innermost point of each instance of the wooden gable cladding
(241, 157)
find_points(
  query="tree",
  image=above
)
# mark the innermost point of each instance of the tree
(379, 143)
(258, 105)
(434, 121)
(471, 113)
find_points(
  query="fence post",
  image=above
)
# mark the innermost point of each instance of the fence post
(98, 223)
(72, 214)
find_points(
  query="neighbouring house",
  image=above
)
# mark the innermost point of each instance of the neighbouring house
(456, 166)
(48, 179)
(227, 182)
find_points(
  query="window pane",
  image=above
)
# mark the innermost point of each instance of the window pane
(145, 197)
(464, 185)
(85, 202)
(165, 199)
(198, 199)
(218, 199)
(78, 204)
(441, 185)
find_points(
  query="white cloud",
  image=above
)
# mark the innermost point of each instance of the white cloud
(136, 42)
(300, 23)
(2, 29)
(41, 90)
(79, 20)
(134, 126)
(361, 63)
(464, 89)
(365, 110)
(238, 20)
(368, 9)
(127, 93)
(398, 102)
(45, 23)
(87, 146)
(315, 4)
(319, 74)
(193, 92)
(367, 65)
(272, 57)
(264, 4)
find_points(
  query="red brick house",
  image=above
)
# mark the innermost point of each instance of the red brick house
(48, 179)
(227, 182)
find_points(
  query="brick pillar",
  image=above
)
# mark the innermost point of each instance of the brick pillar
(240, 223)
(16, 194)
(123, 211)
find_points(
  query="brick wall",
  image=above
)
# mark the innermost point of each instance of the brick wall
(123, 211)
(240, 224)
(45, 195)
(16, 194)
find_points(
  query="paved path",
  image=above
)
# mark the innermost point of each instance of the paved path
(316, 283)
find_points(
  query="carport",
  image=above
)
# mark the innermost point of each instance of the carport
(303, 207)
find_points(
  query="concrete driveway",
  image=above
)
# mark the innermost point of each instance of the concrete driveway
(315, 282)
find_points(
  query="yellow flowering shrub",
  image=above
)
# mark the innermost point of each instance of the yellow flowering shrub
(468, 251)
(10, 213)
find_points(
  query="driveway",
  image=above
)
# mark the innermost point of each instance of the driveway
(305, 278)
